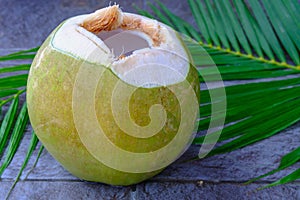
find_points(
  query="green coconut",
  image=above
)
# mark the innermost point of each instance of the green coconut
(113, 96)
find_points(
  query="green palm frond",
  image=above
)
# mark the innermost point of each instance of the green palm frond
(33, 143)
(232, 35)
(16, 136)
(246, 40)
(12, 85)
(253, 40)
(286, 161)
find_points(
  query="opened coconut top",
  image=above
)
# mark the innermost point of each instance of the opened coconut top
(139, 50)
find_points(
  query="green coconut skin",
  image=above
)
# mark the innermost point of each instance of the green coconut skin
(49, 96)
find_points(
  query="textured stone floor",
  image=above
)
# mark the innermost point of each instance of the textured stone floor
(25, 24)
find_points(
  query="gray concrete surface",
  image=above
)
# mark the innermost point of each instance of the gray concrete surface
(25, 24)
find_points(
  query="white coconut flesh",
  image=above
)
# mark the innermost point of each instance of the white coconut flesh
(140, 51)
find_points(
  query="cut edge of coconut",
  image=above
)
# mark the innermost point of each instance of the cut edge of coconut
(139, 50)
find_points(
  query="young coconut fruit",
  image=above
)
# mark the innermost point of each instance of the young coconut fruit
(113, 96)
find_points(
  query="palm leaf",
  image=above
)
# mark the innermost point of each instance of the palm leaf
(7, 123)
(289, 178)
(33, 143)
(13, 84)
(20, 55)
(286, 161)
(244, 41)
(16, 137)
(252, 41)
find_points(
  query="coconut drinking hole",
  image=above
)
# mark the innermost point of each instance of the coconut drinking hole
(122, 33)
(123, 42)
